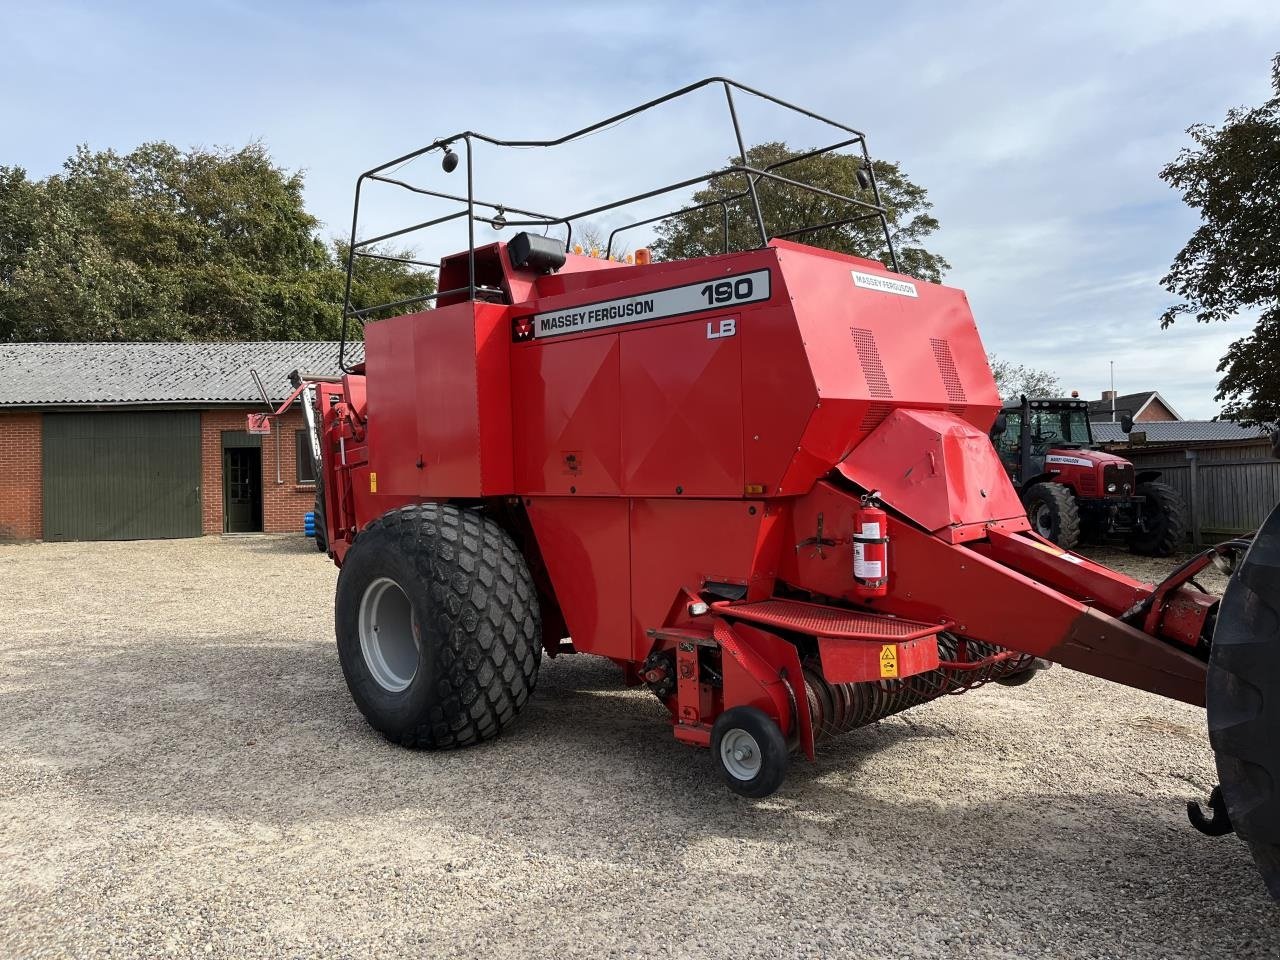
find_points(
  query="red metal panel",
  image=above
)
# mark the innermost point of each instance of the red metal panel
(1074, 575)
(679, 544)
(859, 661)
(439, 395)
(584, 543)
(493, 392)
(565, 406)
(937, 469)
(448, 429)
(681, 411)
(392, 402)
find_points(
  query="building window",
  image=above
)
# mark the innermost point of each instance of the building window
(306, 469)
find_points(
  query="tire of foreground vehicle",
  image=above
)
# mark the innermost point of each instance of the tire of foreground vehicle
(1243, 699)
(1053, 513)
(438, 626)
(1166, 516)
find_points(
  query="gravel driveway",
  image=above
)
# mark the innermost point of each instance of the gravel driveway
(183, 773)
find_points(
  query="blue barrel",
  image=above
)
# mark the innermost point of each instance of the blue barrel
(309, 523)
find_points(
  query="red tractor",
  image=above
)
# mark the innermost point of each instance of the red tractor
(759, 482)
(1073, 491)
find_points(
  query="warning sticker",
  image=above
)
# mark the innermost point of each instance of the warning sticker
(889, 660)
(373, 482)
(1055, 552)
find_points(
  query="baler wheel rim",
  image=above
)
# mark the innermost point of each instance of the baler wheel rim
(389, 635)
(740, 754)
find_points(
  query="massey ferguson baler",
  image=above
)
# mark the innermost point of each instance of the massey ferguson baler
(760, 482)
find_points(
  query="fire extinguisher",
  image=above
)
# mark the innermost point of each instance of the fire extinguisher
(870, 548)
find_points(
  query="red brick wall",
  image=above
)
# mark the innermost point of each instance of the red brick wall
(1155, 412)
(284, 503)
(21, 503)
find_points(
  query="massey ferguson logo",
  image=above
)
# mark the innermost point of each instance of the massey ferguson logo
(1068, 461)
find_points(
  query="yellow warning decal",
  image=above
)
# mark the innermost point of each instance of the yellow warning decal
(1055, 552)
(889, 660)
(373, 482)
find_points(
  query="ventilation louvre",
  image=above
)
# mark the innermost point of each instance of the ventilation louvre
(950, 375)
(864, 341)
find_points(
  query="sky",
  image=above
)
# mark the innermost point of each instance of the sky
(1037, 129)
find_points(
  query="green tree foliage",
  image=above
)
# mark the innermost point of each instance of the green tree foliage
(1232, 261)
(788, 208)
(1014, 380)
(165, 244)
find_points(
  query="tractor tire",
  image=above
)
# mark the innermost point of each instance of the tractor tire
(322, 532)
(1243, 700)
(1053, 513)
(438, 627)
(1166, 521)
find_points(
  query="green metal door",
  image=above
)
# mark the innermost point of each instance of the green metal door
(121, 476)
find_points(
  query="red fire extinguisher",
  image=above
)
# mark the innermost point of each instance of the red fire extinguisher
(870, 548)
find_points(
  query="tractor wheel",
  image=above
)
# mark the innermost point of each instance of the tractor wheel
(749, 751)
(438, 626)
(1053, 513)
(1165, 517)
(322, 532)
(1243, 699)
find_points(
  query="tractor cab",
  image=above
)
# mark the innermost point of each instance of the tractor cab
(1046, 436)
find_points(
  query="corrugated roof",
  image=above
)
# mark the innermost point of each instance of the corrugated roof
(56, 374)
(1180, 431)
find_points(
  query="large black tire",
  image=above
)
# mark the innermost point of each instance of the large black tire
(1053, 513)
(1165, 517)
(322, 532)
(438, 626)
(1243, 700)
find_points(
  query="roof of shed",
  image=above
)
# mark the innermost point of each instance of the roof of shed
(1180, 431)
(1131, 403)
(60, 374)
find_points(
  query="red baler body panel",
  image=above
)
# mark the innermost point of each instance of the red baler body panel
(664, 446)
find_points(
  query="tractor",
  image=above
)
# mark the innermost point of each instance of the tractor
(758, 481)
(1073, 491)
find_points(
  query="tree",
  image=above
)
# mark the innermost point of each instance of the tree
(1232, 261)
(786, 208)
(1013, 380)
(165, 244)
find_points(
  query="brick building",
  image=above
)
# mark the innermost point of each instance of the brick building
(128, 441)
(1145, 407)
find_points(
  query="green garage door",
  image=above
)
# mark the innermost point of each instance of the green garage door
(121, 476)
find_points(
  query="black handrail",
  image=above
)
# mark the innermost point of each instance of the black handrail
(751, 176)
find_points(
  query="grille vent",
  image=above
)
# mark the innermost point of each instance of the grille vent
(950, 374)
(864, 341)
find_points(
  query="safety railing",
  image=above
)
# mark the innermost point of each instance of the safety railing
(499, 216)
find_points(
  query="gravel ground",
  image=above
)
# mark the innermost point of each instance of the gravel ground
(182, 773)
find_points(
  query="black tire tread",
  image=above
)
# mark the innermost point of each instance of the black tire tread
(322, 532)
(1243, 700)
(485, 628)
(1172, 533)
(1066, 511)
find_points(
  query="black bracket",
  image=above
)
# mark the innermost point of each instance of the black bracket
(818, 541)
(1217, 825)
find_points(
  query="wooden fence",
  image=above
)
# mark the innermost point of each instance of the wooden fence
(1229, 488)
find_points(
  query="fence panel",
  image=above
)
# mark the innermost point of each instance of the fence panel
(1231, 495)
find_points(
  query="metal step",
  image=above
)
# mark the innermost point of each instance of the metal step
(821, 621)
